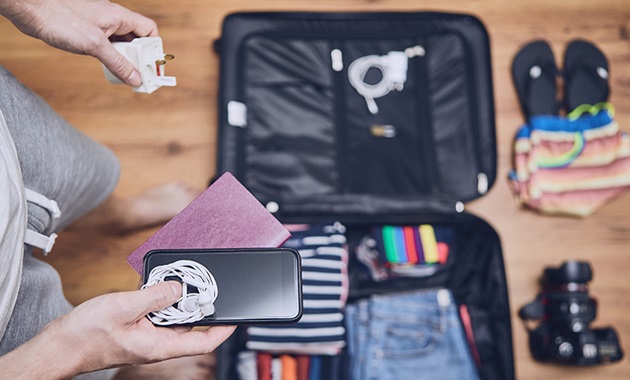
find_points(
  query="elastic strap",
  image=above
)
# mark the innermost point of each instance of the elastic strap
(40, 200)
(565, 159)
(41, 241)
(34, 238)
(591, 109)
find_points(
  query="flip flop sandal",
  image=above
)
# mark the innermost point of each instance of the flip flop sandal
(585, 75)
(534, 72)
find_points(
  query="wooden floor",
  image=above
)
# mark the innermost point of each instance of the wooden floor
(171, 135)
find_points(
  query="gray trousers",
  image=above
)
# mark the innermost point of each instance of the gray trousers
(64, 165)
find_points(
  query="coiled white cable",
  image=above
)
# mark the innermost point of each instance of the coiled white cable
(356, 74)
(393, 68)
(191, 307)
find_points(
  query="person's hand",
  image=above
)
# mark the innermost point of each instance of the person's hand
(83, 27)
(111, 331)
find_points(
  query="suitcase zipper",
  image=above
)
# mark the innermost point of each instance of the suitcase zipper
(312, 208)
(240, 136)
(338, 69)
(482, 177)
(423, 117)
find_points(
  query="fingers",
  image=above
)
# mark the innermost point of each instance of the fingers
(117, 64)
(198, 342)
(137, 24)
(145, 27)
(128, 24)
(181, 329)
(154, 298)
(131, 23)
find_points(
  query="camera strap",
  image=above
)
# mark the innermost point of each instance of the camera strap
(532, 311)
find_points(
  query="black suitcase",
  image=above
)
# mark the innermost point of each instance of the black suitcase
(299, 135)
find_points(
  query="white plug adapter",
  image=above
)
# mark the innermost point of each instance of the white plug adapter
(146, 54)
(396, 63)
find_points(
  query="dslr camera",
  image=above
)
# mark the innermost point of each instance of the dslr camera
(564, 310)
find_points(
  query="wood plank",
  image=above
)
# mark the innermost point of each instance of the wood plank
(171, 135)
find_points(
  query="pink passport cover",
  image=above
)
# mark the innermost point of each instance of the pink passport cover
(225, 215)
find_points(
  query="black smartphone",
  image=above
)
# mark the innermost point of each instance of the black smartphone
(256, 286)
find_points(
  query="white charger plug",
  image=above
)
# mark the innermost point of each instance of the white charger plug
(146, 54)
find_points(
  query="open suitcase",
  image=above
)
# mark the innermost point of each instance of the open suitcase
(301, 137)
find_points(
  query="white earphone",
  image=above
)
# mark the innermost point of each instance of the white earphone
(191, 307)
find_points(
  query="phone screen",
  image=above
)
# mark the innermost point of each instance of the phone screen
(255, 285)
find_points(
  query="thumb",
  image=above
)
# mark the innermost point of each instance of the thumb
(157, 297)
(117, 64)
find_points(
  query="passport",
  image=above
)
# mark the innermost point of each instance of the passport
(225, 215)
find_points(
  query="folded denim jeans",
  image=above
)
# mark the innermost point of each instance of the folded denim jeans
(411, 335)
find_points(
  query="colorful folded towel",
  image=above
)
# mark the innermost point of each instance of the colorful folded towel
(571, 165)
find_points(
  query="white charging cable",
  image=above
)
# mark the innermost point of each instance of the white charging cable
(191, 307)
(393, 68)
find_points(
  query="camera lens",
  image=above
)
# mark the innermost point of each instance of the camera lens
(570, 272)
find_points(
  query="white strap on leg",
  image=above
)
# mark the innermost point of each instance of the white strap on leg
(36, 239)
(41, 241)
(40, 200)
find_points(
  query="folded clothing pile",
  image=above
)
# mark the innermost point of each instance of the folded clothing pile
(265, 366)
(571, 165)
(321, 330)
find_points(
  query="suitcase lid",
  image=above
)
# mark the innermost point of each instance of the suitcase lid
(298, 130)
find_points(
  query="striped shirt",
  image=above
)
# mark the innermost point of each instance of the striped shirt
(324, 286)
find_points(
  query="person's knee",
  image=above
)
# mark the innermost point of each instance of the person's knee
(5, 74)
(8, 85)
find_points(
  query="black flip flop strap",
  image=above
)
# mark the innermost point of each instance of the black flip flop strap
(545, 68)
(590, 69)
